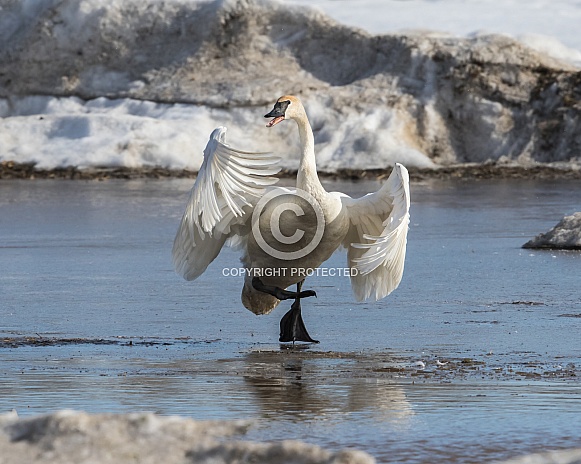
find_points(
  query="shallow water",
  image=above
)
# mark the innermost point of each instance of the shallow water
(475, 357)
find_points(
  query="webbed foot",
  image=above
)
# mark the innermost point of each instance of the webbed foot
(292, 327)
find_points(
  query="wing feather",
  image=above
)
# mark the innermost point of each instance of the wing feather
(377, 236)
(229, 184)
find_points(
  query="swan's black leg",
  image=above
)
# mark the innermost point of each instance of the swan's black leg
(280, 293)
(292, 327)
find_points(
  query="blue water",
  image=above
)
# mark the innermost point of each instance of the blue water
(91, 260)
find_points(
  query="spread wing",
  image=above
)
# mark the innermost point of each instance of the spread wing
(377, 236)
(229, 184)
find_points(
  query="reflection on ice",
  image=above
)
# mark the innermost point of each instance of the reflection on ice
(295, 388)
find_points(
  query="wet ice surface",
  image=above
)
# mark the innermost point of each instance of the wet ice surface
(475, 357)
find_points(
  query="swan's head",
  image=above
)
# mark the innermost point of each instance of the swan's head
(286, 107)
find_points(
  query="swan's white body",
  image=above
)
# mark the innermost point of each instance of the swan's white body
(225, 200)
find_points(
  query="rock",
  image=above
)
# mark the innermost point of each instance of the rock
(566, 235)
(77, 437)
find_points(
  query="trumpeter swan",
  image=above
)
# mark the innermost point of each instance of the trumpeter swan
(285, 232)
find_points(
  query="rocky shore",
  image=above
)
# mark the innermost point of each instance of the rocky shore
(12, 170)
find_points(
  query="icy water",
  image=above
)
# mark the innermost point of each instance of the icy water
(474, 358)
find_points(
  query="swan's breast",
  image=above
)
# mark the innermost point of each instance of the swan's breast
(292, 234)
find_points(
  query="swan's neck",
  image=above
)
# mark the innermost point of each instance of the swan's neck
(307, 178)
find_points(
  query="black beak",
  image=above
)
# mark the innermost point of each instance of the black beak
(277, 113)
(278, 110)
(274, 113)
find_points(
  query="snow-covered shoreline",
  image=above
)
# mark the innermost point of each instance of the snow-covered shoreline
(142, 84)
(548, 26)
(70, 436)
(73, 436)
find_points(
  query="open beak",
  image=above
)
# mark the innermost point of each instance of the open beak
(275, 121)
(277, 114)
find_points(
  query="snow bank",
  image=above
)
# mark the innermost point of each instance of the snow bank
(572, 456)
(67, 437)
(552, 46)
(80, 438)
(141, 83)
(566, 235)
(548, 25)
(56, 132)
(59, 131)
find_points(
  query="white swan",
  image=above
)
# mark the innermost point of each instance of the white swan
(286, 232)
